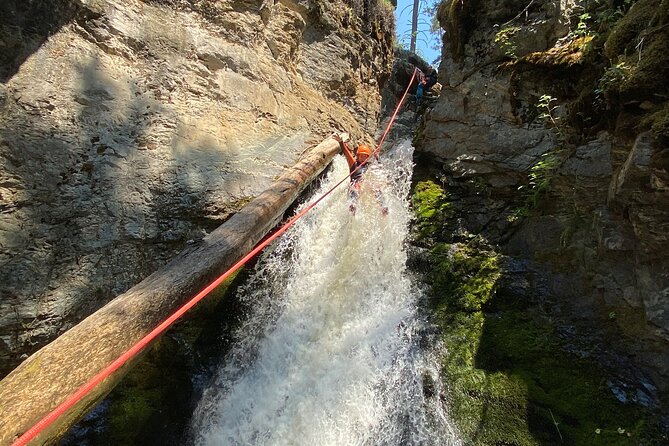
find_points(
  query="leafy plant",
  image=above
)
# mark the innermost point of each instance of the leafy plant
(582, 28)
(612, 15)
(540, 178)
(541, 174)
(505, 39)
(548, 112)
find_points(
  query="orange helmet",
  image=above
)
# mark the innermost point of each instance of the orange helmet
(363, 149)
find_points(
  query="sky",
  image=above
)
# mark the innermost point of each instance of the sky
(403, 18)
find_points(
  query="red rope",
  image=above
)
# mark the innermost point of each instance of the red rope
(399, 104)
(146, 340)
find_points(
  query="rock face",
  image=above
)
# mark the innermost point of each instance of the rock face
(548, 155)
(130, 128)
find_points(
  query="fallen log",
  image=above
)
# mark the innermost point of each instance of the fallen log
(49, 376)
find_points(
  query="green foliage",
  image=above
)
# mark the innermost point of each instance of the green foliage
(540, 179)
(613, 13)
(548, 112)
(542, 173)
(582, 28)
(505, 38)
(431, 207)
(610, 15)
(610, 82)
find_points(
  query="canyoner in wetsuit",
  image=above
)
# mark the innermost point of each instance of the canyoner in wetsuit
(357, 165)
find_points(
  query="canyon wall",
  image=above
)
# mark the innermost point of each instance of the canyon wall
(129, 129)
(552, 131)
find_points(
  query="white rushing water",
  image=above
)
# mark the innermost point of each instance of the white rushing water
(329, 354)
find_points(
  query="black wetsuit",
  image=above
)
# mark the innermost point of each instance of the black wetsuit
(356, 175)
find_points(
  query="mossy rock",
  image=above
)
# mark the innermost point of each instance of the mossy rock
(510, 382)
(572, 53)
(508, 379)
(660, 126)
(464, 279)
(136, 399)
(622, 39)
(651, 74)
(431, 208)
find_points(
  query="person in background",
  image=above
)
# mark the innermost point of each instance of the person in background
(357, 166)
(425, 81)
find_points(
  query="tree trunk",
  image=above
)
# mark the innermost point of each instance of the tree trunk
(414, 25)
(49, 376)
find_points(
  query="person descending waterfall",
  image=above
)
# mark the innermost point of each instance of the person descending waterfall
(358, 165)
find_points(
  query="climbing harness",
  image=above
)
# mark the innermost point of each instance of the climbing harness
(73, 399)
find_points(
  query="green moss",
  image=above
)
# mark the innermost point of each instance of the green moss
(567, 55)
(509, 379)
(191, 328)
(431, 207)
(509, 382)
(651, 74)
(135, 400)
(488, 407)
(463, 278)
(640, 40)
(560, 386)
(623, 37)
(660, 126)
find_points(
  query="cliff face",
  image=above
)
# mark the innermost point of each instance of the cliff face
(130, 128)
(551, 138)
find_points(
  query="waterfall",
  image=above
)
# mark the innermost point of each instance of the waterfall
(329, 354)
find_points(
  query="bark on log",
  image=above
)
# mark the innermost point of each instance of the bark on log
(49, 376)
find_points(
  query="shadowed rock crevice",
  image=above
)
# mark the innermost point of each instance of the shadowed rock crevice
(25, 25)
